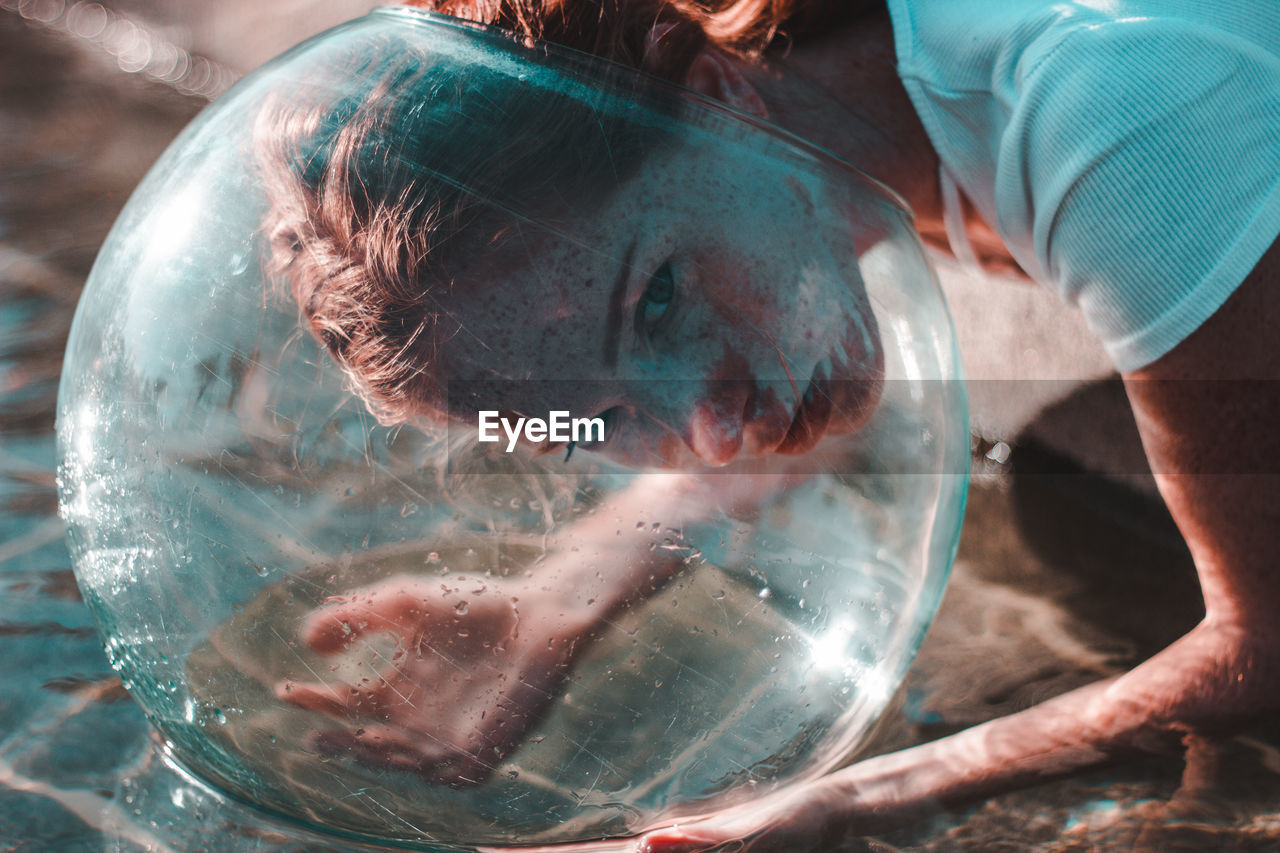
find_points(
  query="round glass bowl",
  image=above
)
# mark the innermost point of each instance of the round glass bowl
(338, 586)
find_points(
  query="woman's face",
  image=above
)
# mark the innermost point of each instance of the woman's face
(711, 306)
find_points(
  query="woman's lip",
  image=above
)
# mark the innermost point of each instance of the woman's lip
(812, 416)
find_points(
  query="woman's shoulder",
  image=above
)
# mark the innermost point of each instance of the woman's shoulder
(968, 45)
(1140, 170)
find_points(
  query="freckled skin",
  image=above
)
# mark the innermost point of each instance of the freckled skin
(759, 311)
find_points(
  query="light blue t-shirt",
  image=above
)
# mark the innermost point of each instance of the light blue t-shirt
(1127, 151)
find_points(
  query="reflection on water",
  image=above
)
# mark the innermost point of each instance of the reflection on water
(76, 768)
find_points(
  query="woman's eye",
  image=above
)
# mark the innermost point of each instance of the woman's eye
(657, 298)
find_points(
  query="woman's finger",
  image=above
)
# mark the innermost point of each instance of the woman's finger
(333, 700)
(816, 817)
(395, 605)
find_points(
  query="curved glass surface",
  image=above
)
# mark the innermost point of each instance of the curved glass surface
(466, 443)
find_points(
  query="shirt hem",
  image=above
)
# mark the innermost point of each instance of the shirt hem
(1157, 338)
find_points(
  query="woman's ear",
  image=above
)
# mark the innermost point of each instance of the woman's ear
(716, 74)
(713, 73)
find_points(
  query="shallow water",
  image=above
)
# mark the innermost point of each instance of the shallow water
(1062, 578)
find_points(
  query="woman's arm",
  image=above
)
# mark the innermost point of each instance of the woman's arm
(1209, 414)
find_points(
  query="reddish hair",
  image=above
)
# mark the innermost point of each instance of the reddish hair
(619, 29)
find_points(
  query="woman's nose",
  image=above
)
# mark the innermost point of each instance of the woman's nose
(715, 428)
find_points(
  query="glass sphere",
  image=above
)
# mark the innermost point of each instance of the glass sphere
(466, 442)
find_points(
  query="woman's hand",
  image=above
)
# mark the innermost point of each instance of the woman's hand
(476, 660)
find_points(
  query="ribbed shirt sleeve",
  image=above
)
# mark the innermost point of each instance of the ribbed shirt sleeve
(1139, 175)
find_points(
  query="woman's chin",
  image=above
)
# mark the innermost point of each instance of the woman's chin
(830, 408)
(858, 400)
